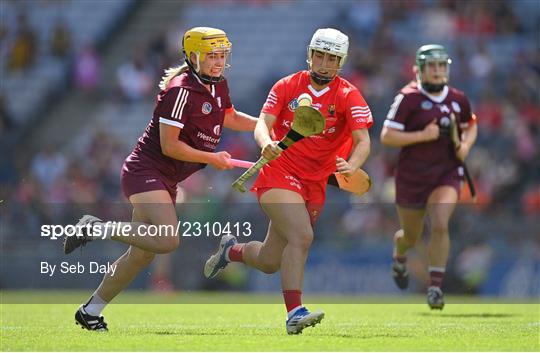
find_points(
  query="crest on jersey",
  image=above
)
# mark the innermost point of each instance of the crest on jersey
(293, 104)
(427, 105)
(217, 130)
(331, 109)
(206, 108)
(456, 107)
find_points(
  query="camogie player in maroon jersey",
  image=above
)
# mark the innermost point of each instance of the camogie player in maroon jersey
(430, 169)
(192, 107)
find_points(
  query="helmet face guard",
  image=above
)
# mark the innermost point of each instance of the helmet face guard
(330, 42)
(203, 41)
(432, 53)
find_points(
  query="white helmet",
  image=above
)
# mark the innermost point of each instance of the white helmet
(331, 41)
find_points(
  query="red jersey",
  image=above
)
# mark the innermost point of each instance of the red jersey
(412, 110)
(314, 158)
(188, 105)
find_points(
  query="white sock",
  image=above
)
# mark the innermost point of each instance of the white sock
(95, 305)
(227, 254)
(291, 313)
(437, 269)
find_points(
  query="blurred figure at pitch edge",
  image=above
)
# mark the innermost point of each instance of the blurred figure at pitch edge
(192, 107)
(430, 172)
(291, 189)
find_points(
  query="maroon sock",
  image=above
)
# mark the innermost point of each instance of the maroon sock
(436, 275)
(236, 253)
(400, 258)
(293, 299)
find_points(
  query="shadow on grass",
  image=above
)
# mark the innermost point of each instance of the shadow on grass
(273, 334)
(470, 315)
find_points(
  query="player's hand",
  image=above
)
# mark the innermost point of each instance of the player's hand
(221, 160)
(431, 131)
(463, 151)
(271, 150)
(344, 168)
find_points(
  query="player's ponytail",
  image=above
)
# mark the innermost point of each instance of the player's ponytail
(171, 73)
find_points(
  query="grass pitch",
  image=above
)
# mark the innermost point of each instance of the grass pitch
(474, 326)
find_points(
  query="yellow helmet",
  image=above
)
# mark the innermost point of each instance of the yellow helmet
(202, 41)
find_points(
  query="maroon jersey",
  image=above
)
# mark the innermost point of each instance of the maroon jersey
(412, 110)
(187, 104)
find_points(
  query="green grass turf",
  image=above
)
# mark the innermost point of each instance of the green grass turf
(471, 325)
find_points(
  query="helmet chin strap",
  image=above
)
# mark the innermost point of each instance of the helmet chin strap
(319, 79)
(433, 87)
(206, 79)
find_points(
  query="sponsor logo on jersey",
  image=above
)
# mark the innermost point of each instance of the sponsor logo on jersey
(205, 137)
(362, 120)
(293, 182)
(206, 108)
(218, 101)
(209, 145)
(456, 107)
(148, 181)
(217, 130)
(427, 105)
(331, 110)
(443, 108)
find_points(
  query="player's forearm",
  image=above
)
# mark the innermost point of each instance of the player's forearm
(240, 121)
(469, 135)
(262, 133)
(359, 154)
(396, 138)
(183, 152)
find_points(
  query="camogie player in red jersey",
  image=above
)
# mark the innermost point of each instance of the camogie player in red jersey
(181, 138)
(430, 169)
(291, 188)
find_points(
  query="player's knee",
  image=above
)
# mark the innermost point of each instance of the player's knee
(141, 258)
(269, 267)
(302, 240)
(439, 229)
(168, 244)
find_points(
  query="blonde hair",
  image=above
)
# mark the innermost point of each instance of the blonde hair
(171, 73)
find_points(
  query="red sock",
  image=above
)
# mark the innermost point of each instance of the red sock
(436, 275)
(236, 253)
(293, 299)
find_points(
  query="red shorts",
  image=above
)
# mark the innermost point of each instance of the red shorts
(136, 179)
(412, 193)
(275, 177)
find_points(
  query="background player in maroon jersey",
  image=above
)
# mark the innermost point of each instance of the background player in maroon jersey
(430, 170)
(181, 138)
(291, 188)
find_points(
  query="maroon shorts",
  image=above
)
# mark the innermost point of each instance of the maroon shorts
(313, 192)
(137, 178)
(414, 193)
